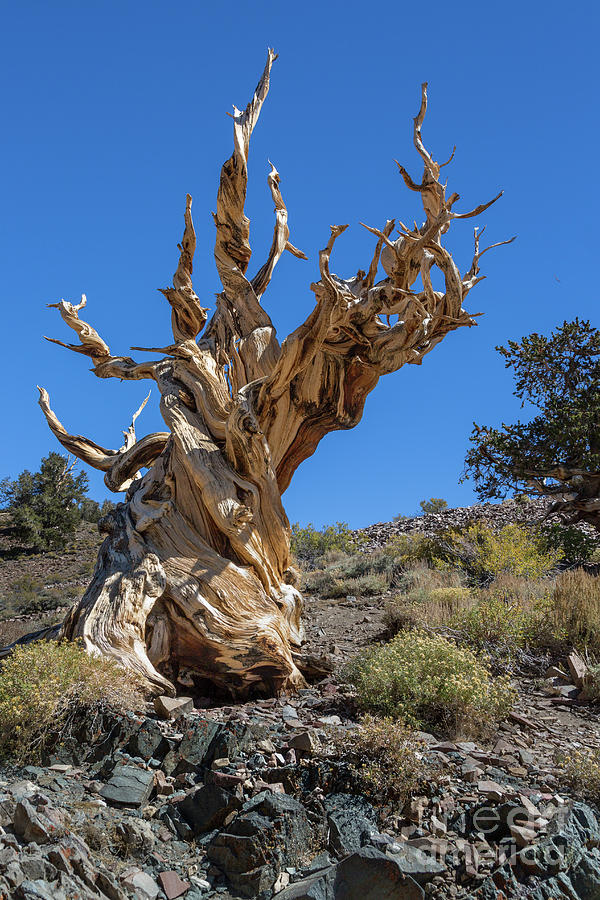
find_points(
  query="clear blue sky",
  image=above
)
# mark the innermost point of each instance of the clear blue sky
(114, 110)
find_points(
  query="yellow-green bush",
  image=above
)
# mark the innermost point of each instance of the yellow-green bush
(42, 685)
(428, 681)
(385, 756)
(513, 550)
(494, 621)
(511, 613)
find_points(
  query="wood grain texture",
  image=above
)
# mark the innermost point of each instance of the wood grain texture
(194, 579)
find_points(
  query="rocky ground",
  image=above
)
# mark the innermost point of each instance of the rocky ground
(249, 800)
(493, 515)
(246, 801)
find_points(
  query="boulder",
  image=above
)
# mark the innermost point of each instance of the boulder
(351, 820)
(414, 862)
(371, 875)
(193, 752)
(207, 807)
(272, 831)
(173, 885)
(30, 826)
(148, 741)
(142, 884)
(318, 886)
(128, 786)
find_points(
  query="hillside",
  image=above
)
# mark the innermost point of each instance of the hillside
(300, 797)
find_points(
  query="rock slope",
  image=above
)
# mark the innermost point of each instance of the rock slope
(246, 801)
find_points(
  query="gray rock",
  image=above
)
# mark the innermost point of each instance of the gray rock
(142, 884)
(31, 826)
(128, 786)
(305, 741)
(40, 890)
(271, 832)
(148, 741)
(351, 821)
(207, 807)
(371, 875)
(318, 886)
(585, 877)
(414, 862)
(36, 868)
(173, 707)
(193, 752)
(137, 835)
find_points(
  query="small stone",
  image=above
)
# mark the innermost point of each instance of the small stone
(491, 789)
(220, 763)
(144, 886)
(173, 707)
(332, 721)
(276, 786)
(173, 885)
(437, 826)
(305, 741)
(555, 672)
(577, 668)
(522, 836)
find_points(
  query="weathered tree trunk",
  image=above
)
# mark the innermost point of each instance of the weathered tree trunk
(194, 580)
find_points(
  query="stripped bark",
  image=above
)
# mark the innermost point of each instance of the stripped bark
(194, 579)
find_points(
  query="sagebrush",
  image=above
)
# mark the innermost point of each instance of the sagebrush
(43, 685)
(429, 682)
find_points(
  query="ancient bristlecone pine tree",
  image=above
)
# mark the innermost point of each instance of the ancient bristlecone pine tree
(193, 580)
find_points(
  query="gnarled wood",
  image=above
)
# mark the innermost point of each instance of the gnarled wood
(193, 580)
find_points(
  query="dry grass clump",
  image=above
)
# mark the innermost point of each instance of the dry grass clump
(385, 756)
(582, 771)
(575, 609)
(430, 682)
(361, 575)
(420, 607)
(44, 685)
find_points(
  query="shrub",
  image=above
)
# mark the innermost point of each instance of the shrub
(43, 685)
(496, 622)
(20, 593)
(510, 614)
(514, 550)
(575, 609)
(577, 546)
(370, 585)
(582, 771)
(310, 543)
(591, 686)
(433, 505)
(409, 550)
(385, 756)
(423, 577)
(330, 583)
(433, 607)
(429, 682)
